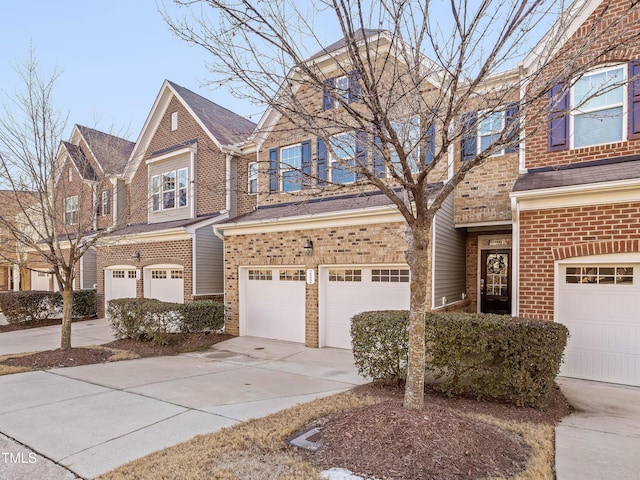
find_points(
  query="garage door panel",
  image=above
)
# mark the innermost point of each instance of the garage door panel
(351, 290)
(274, 304)
(164, 283)
(603, 321)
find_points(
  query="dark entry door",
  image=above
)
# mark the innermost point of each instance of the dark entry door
(495, 283)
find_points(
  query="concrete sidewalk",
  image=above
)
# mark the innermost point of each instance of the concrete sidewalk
(601, 439)
(93, 418)
(87, 332)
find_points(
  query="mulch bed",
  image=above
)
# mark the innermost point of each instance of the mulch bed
(387, 441)
(178, 343)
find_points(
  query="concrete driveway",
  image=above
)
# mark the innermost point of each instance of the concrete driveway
(601, 439)
(93, 418)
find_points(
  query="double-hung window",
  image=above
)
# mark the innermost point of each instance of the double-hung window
(490, 129)
(290, 167)
(253, 177)
(169, 190)
(409, 135)
(343, 157)
(71, 210)
(105, 204)
(597, 107)
(497, 130)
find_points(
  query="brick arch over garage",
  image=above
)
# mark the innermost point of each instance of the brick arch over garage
(596, 248)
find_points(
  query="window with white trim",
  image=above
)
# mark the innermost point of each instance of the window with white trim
(177, 274)
(132, 274)
(600, 275)
(598, 107)
(117, 274)
(71, 210)
(390, 275)
(344, 149)
(342, 88)
(169, 190)
(490, 129)
(345, 275)
(409, 135)
(292, 275)
(290, 168)
(252, 177)
(105, 205)
(158, 274)
(260, 275)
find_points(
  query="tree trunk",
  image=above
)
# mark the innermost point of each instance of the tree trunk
(419, 263)
(67, 310)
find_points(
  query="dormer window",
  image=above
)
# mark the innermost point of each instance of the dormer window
(169, 190)
(174, 121)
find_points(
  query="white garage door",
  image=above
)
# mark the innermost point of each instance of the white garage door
(119, 283)
(164, 282)
(272, 303)
(346, 291)
(600, 304)
(41, 280)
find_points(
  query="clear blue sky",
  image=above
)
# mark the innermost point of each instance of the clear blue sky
(113, 55)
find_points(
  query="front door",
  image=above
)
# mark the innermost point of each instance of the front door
(495, 283)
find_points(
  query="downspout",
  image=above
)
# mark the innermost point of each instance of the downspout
(227, 183)
(515, 252)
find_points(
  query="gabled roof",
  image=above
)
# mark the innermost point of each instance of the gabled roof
(224, 127)
(358, 35)
(227, 127)
(79, 159)
(111, 152)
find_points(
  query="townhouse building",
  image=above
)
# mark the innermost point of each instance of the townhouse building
(181, 178)
(576, 202)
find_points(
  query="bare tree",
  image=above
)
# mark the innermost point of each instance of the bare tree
(55, 222)
(420, 67)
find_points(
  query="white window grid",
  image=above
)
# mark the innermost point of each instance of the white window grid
(344, 148)
(390, 275)
(71, 210)
(290, 168)
(599, 275)
(260, 275)
(577, 110)
(117, 274)
(177, 274)
(345, 275)
(158, 274)
(169, 190)
(253, 177)
(292, 275)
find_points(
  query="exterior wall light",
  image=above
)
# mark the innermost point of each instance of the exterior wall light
(308, 247)
(135, 255)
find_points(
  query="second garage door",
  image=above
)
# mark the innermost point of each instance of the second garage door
(272, 303)
(119, 282)
(346, 291)
(164, 282)
(600, 304)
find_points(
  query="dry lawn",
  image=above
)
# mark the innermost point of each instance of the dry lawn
(256, 449)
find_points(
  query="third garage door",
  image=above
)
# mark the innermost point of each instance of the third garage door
(346, 291)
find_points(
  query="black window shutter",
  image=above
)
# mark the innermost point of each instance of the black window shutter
(361, 152)
(512, 127)
(328, 101)
(634, 99)
(306, 163)
(558, 123)
(107, 209)
(321, 162)
(430, 147)
(273, 170)
(377, 158)
(469, 143)
(354, 86)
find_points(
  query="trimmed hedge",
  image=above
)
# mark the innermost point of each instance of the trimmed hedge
(85, 303)
(31, 305)
(27, 306)
(495, 356)
(380, 342)
(148, 319)
(483, 355)
(201, 316)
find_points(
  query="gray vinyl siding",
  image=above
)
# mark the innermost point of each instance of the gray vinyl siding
(208, 262)
(88, 265)
(449, 268)
(158, 168)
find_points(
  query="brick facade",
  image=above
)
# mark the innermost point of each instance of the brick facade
(366, 244)
(558, 233)
(177, 252)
